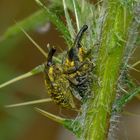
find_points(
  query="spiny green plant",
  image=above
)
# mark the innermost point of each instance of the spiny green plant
(113, 30)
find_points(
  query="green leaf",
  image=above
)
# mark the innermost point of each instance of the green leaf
(34, 71)
(121, 102)
(69, 21)
(39, 101)
(68, 3)
(53, 17)
(12, 35)
(70, 124)
(77, 13)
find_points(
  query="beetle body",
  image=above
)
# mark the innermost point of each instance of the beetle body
(57, 85)
(73, 77)
(79, 68)
(81, 81)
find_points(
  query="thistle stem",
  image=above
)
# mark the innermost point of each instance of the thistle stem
(114, 34)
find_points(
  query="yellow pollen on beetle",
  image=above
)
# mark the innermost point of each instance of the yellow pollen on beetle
(81, 53)
(69, 63)
(51, 71)
(81, 50)
(72, 63)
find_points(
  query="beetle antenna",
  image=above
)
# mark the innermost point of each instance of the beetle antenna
(79, 36)
(50, 55)
(72, 54)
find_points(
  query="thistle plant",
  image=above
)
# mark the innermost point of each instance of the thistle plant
(113, 27)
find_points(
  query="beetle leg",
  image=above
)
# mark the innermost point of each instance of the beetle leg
(75, 68)
(75, 82)
(72, 81)
(79, 36)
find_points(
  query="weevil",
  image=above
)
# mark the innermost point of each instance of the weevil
(64, 80)
(79, 68)
(74, 77)
(56, 83)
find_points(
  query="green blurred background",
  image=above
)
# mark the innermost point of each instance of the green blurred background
(19, 56)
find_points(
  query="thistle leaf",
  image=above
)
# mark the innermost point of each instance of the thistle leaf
(50, 116)
(13, 34)
(57, 22)
(68, 20)
(29, 103)
(77, 13)
(36, 45)
(34, 71)
(121, 102)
